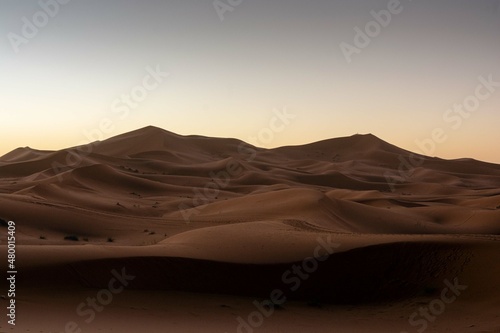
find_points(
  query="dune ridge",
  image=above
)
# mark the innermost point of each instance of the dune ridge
(217, 215)
(130, 173)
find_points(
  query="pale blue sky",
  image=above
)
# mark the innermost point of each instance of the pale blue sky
(227, 77)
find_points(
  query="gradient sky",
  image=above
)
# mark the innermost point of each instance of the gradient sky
(227, 78)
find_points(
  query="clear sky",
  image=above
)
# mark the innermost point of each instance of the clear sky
(67, 66)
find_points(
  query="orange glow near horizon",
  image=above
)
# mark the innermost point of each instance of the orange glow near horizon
(226, 79)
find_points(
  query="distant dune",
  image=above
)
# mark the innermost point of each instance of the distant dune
(220, 216)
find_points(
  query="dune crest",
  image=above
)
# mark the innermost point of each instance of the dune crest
(351, 184)
(220, 216)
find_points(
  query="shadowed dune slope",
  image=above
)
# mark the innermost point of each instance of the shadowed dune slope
(218, 215)
(385, 272)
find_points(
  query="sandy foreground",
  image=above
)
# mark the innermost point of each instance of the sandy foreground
(150, 231)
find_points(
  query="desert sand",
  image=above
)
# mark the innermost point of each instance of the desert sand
(176, 233)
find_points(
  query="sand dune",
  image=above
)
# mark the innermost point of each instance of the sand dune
(216, 215)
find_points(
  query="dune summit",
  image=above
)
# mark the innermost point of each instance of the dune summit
(351, 220)
(355, 184)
